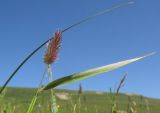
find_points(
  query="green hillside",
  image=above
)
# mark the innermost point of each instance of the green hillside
(18, 99)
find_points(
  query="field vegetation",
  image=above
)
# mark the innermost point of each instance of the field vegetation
(17, 100)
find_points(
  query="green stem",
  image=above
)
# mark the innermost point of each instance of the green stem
(34, 99)
(54, 108)
(79, 103)
(64, 30)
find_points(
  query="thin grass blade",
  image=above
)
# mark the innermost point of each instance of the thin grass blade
(89, 73)
(31, 106)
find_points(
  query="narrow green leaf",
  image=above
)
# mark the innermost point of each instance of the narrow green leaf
(89, 73)
(32, 104)
(34, 99)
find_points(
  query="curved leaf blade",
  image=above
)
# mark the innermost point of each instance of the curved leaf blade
(91, 72)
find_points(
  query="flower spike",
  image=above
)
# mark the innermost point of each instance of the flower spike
(53, 48)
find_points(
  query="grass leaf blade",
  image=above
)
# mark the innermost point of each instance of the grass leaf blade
(89, 73)
(31, 106)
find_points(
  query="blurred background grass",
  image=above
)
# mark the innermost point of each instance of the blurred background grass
(18, 100)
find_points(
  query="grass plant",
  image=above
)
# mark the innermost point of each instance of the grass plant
(75, 105)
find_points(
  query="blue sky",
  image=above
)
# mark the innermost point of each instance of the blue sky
(119, 35)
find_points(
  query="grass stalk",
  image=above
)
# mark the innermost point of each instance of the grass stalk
(34, 99)
(147, 106)
(114, 108)
(54, 107)
(79, 103)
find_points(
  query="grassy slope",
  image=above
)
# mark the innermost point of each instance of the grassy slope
(91, 102)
